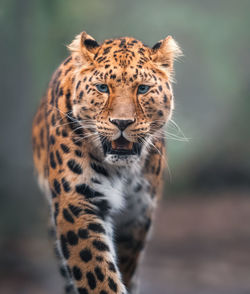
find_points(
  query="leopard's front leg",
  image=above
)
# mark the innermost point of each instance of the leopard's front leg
(84, 239)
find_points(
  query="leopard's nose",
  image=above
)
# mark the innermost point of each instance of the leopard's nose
(122, 124)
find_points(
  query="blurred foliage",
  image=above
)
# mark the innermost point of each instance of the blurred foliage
(212, 93)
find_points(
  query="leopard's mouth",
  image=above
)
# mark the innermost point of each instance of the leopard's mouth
(120, 147)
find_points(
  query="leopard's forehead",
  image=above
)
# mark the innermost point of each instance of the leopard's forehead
(122, 52)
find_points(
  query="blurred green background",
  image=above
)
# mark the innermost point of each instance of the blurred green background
(212, 97)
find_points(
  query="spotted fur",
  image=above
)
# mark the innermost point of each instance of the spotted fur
(102, 203)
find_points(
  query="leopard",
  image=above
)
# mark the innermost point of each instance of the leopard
(99, 156)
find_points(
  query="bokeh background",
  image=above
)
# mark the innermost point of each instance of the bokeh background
(201, 239)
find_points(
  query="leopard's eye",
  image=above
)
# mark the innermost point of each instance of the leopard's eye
(102, 88)
(143, 89)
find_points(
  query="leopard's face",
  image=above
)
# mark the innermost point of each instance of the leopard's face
(123, 95)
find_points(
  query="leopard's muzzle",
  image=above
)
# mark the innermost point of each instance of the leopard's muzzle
(121, 147)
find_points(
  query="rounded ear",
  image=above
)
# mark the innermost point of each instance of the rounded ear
(84, 48)
(165, 52)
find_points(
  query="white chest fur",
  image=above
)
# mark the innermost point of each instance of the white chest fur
(127, 195)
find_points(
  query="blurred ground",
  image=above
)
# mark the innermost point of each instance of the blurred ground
(199, 245)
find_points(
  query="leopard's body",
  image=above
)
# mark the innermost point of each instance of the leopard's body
(99, 154)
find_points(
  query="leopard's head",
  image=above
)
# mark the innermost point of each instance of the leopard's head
(123, 94)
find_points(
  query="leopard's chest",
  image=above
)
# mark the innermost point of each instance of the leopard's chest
(127, 194)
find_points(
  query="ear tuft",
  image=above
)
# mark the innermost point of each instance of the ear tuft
(74, 46)
(165, 52)
(83, 48)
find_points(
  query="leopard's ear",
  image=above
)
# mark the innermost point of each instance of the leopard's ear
(83, 48)
(164, 54)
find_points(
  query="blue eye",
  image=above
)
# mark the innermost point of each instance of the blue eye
(143, 89)
(102, 88)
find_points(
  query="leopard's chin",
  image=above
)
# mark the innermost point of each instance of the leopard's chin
(121, 160)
